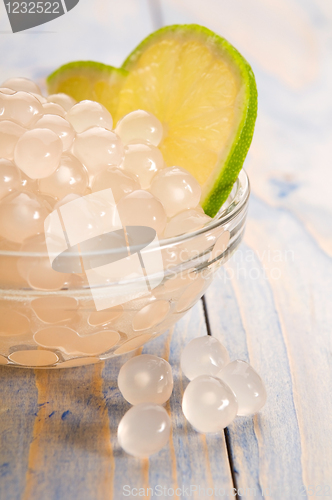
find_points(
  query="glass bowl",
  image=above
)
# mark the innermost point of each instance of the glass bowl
(51, 320)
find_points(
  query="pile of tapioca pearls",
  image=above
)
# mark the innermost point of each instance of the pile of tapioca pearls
(53, 150)
(218, 391)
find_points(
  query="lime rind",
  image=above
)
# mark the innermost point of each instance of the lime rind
(88, 80)
(229, 165)
(106, 83)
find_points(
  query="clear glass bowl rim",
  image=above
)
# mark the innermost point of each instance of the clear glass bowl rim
(224, 216)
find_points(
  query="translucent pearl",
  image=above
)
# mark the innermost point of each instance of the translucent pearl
(246, 384)
(28, 184)
(66, 199)
(177, 190)
(88, 114)
(40, 98)
(22, 215)
(140, 125)
(59, 126)
(146, 379)
(55, 309)
(33, 357)
(186, 222)
(7, 91)
(143, 161)
(64, 100)
(69, 341)
(21, 107)
(38, 153)
(192, 293)
(98, 148)
(69, 177)
(209, 404)
(203, 356)
(10, 177)
(150, 315)
(23, 84)
(10, 132)
(144, 430)
(120, 182)
(110, 315)
(140, 208)
(50, 108)
(37, 270)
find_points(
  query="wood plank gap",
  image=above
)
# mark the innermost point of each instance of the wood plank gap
(156, 14)
(230, 459)
(226, 432)
(206, 316)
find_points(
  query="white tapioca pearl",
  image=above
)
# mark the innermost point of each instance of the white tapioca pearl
(64, 100)
(88, 114)
(59, 126)
(38, 152)
(98, 148)
(23, 84)
(177, 190)
(140, 125)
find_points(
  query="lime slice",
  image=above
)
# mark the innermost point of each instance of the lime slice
(197, 84)
(204, 93)
(88, 80)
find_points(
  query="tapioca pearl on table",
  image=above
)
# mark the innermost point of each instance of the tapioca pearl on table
(64, 100)
(246, 384)
(10, 177)
(98, 148)
(141, 208)
(143, 160)
(10, 132)
(38, 152)
(140, 125)
(21, 107)
(185, 222)
(121, 183)
(177, 190)
(37, 270)
(203, 356)
(59, 126)
(22, 216)
(21, 84)
(88, 114)
(209, 404)
(146, 379)
(144, 430)
(51, 108)
(70, 177)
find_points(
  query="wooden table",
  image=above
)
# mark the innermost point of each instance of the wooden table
(271, 305)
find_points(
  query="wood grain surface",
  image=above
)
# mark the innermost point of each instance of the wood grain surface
(270, 305)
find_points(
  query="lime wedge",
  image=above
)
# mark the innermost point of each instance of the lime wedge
(197, 84)
(88, 80)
